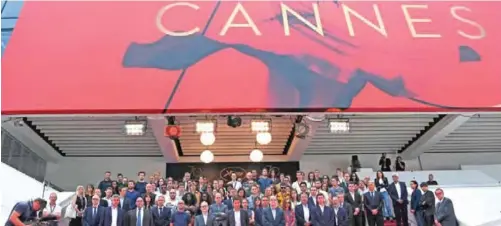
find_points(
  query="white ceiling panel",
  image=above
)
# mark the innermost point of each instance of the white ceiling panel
(481, 133)
(370, 133)
(95, 136)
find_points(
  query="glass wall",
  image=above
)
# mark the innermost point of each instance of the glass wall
(20, 157)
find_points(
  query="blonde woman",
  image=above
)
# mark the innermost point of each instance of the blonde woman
(78, 203)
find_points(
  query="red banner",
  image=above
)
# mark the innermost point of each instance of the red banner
(153, 57)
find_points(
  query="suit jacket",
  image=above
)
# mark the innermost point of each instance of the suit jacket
(415, 199)
(320, 219)
(392, 190)
(199, 220)
(107, 217)
(311, 202)
(427, 203)
(381, 185)
(373, 202)
(258, 216)
(161, 218)
(299, 211)
(342, 217)
(126, 205)
(131, 218)
(445, 213)
(218, 209)
(268, 217)
(349, 211)
(355, 203)
(91, 219)
(229, 203)
(244, 218)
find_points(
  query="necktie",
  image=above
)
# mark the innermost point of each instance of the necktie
(94, 212)
(160, 211)
(138, 221)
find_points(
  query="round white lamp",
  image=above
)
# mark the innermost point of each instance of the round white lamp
(263, 138)
(207, 139)
(256, 155)
(207, 156)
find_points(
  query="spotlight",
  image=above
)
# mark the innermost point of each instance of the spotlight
(234, 121)
(260, 125)
(301, 130)
(172, 131)
(135, 128)
(205, 126)
(339, 126)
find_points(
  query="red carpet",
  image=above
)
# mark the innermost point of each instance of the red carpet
(389, 223)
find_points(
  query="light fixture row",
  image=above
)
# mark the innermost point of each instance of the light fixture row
(207, 130)
(255, 155)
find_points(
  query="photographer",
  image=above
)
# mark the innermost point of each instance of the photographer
(399, 164)
(385, 163)
(25, 211)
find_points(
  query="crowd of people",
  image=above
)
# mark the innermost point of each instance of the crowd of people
(268, 199)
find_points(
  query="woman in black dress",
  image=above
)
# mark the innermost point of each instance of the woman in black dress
(79, 203)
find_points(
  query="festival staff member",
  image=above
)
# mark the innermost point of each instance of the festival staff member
(25, 211)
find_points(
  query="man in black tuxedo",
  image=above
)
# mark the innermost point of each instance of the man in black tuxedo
(303, 211)
(161, 214)
(427, 203)
(373, 203)
(237, 215)
(398, 193)
(355, 200)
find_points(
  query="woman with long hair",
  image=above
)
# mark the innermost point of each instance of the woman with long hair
(114, 187)
(161, 181)
(274, 177)
(290, 216)
(250, 213)
(354, 178)
(325, 187)
(381, 183)
(258, 211)
(148, 202)
(78, 203)
(294, 198)
(241, 193)
(89, 192)
(311, 177)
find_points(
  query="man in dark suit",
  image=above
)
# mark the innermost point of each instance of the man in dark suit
(139, 216)
(124, 201)
(373, 203)
(236, 215)
(347, 207)
(322, 214)
(415, 199)
(398, 193)
(427, 203)
(92, 215)
(312, 200)
(273, 216)
(340, 214)
(355, 200)
(114, 209)
(229, 202)
(204, 219)
(161, 214)
(444, 215)
(303, 211)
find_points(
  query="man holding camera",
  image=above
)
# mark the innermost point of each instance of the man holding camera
(25, 211)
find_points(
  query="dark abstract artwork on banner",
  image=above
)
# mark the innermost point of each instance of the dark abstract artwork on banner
(223, 170)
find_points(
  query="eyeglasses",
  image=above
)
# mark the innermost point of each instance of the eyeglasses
(94, 199)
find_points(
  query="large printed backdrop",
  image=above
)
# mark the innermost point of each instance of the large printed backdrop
(223, 170)
(117, 56)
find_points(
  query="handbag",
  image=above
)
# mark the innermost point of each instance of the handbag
(70, 212)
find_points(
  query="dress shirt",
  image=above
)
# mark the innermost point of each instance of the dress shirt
(52, 210)
(352, 195)
(314, 198)
(205, 216)
(381, 181)
(397, 186)
(306, 212)
(114, 216)
(108, 200)
(237, 218)
(142, 214)
(322, 209)
(274, 213)
(336, 209)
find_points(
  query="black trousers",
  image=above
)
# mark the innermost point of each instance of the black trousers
(429, 220)
(358, 220)
(401, 214)
(374, 220)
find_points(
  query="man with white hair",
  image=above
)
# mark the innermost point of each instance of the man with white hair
(398, 193)
(52, 209)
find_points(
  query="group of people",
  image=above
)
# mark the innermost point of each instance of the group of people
(268, 199)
